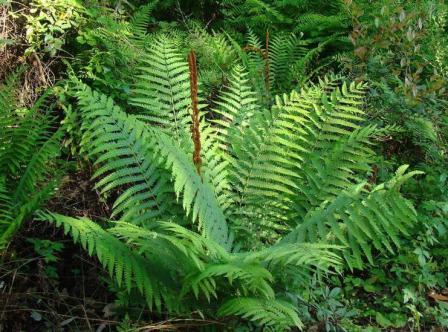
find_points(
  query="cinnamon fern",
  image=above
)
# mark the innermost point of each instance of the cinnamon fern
(282, 191)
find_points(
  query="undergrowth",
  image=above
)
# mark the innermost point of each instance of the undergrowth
(229, 165)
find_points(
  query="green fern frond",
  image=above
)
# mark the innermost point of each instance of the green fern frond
(313, 256)
(162, 90)
(7, 117)
(256, 63)
(215, 165)
(358, 220)
(28, 148)
(330, 82)
(20, 211)
(247, 278)
(223, 52)
(126, 266)
(316, 24)
(300, 68)
(6, 204)
(259, 173)
(335, 168)
(137, 156)
(8, 99)
(284, 51)
(235, 105)
(37, 183)
(124, 150)
(36, 170)
(262, 13)
(191, 241)
(24, 131)
(198, 197)
(173, 249)
(331, 151)
(272, 313)
(141, 18)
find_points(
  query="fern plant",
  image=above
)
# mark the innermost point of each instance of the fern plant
(323, 25)
(317, 19)
(28, 147)
(280, 62)
(258, 200)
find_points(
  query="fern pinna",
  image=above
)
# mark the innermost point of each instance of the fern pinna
(281, 194)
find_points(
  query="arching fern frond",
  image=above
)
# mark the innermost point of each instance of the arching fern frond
(311, 256)
(162, 90)
(335, 167)
(331, 149)
(28, 149)
(124, 150)
(36, 170)
(141, 19)
(167, 260)
(247, 278)
(22, 134)
(198, 196)
(37, 183)
(357, 220)
(236, 104)
(284, 51)
(20, 211)
(275, 314)
(146, 159)
(215, 165)
(127, 267)
(260, 175)
(190, 243)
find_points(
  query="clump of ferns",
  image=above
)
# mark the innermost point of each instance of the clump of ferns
(243, 212)
(29, 150)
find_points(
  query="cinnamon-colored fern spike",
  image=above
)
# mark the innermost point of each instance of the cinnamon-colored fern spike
(195, 134)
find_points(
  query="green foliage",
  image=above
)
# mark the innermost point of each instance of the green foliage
(272, 183)
(164, 259)
(162, 89)
(49, 22)
(355, 223)
(129, 163)
(276, 315)
(122, 164)
(47, 250)
(396, 45)
(29, 146)
(126, 266)
(111, 45)
(314, 18)
(300, 214)
(392, 50)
